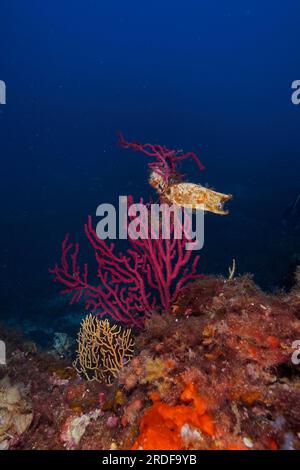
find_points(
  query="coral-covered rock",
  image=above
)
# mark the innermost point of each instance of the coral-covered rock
(131, 412)
(235, 347)
(15, 413)
(112, 421)
(218, 377)
(74, 428)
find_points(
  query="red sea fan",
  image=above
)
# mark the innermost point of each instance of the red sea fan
(127, 287)
(130, 287)
(165, 161)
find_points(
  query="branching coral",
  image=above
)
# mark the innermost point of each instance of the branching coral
(102, 349)
(167, 180)
(134, 284)
(164, 161)
(150, 274)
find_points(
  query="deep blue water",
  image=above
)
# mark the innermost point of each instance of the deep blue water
(213, 77)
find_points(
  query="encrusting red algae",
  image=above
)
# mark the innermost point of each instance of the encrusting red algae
(217, 373)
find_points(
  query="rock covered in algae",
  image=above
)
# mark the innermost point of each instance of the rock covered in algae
(15, 413)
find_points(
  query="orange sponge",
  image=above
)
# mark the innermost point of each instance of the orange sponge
(160, 427)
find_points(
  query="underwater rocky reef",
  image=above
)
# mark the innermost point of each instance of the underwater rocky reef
(166, 358)
(221, 376)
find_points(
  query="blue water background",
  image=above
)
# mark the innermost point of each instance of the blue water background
(212, 77)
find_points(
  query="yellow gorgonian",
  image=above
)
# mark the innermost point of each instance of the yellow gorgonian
(102, 349)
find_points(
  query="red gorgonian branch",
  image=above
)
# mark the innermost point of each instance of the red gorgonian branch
(130, 287)
(165, 161)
